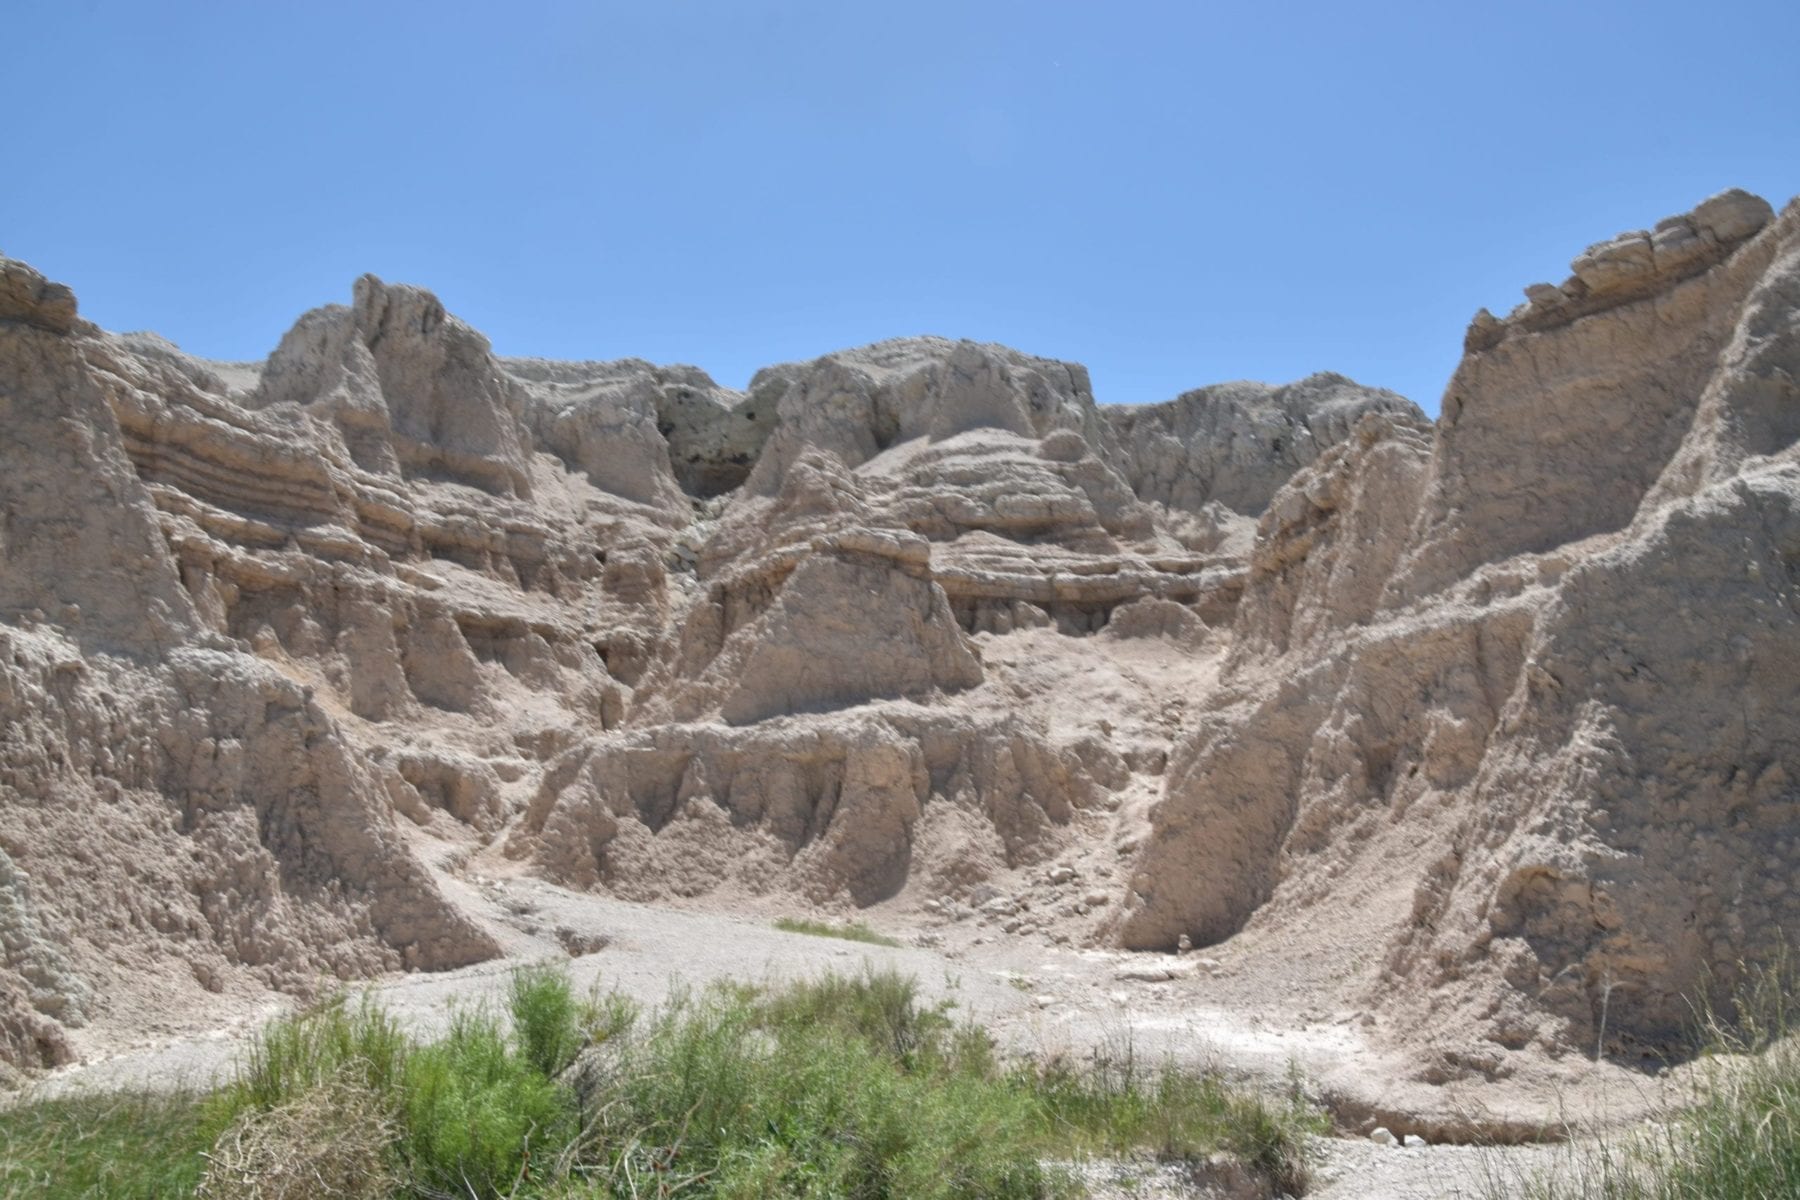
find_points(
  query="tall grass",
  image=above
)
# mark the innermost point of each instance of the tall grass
(835, 1088)
(1112, 1105)
(331, 1041)
(878, 1008)
(117, 1146)
(1737, 1137)
(838, 1088)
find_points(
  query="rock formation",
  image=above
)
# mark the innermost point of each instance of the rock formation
(1510, 701)
(1502, 704)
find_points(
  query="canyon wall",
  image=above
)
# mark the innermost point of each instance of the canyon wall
(1501, 704)
(1509, 701)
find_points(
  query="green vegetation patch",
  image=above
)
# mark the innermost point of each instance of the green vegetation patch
(838, 1088)
(113, 1146)
(849, 931)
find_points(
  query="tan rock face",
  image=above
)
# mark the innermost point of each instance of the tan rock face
(1494, 715)
(27, 297)
(1234, 444)
(1534, 673)
(267, 629)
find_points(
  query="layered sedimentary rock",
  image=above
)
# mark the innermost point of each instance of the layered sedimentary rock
(1496, 711)
(176, 811)
(817, 716)
(269, 630)
(1510, 702)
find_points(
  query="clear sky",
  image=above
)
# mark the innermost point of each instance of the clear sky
(1171, 193)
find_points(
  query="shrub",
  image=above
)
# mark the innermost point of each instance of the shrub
(607, 1017)
(547, 1019)
(477, 1117)
(328, 1043)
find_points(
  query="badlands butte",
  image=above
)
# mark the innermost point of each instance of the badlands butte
(1480, 738)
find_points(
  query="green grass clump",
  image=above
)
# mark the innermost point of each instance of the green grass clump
(849, 931)
(478, 1113)
(879, 1008)
(547, 1018)
(114, 1146)
(1112, 1105)
(836, 1088)
(329, 1042)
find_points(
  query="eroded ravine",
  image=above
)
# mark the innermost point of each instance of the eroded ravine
(1462, 752)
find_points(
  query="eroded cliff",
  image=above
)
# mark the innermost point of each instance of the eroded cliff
(1496, 711)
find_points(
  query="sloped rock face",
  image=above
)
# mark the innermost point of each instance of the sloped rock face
(1589, 411)
(28, 298)
(175, 810)
(818, 717)
(1511, 709)
(1493, 715)
(268, 629)
(1234, 444)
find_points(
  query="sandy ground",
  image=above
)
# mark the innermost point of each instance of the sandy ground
(1038, 999)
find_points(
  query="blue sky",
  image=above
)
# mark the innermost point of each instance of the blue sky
(1171, 193)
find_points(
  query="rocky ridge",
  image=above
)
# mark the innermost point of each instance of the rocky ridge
(1486, 718)
(1507, 701)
